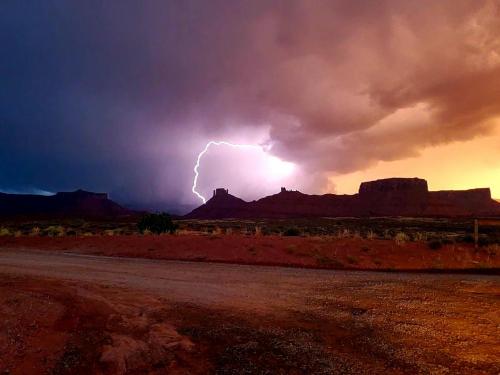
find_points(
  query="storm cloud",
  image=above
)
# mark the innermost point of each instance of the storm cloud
(120, 96)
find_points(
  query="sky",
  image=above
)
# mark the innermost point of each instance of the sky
(122, 96)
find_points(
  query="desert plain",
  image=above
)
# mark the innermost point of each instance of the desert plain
(210, 299)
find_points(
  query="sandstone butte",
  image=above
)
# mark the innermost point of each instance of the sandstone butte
(407, 197)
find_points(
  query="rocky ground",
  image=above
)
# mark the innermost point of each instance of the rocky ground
(79, 314)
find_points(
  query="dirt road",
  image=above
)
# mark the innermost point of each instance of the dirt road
(149, 316)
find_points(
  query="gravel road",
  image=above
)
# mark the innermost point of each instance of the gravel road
(352, 322)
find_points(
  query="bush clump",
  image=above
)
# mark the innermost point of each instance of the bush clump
(55, 231)
(485, 241)
(435, 244)
(468, 238)
(291, 232)
(157, 223)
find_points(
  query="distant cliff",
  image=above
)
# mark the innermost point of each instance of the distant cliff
(408, 197)
(78, 203)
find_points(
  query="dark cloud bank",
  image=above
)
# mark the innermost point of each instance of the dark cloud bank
(119, 96)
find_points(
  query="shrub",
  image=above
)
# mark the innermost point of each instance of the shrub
(292, 232)
(468, 238)
(35, 231)
(265, 231)
(345, 233)
(447, 241)
(400, 238)
(4, 232)
(484, 241)
(55, 230)
(323, 260)
(435, 244)
(493, 249)
(326, 261)
(387, 234)
(356, 234)
(370, 235)
(420, 237)
(352, 260)
(157, 223)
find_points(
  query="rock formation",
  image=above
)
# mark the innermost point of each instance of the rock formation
(394, 196)
(408, 197)
(79, 203)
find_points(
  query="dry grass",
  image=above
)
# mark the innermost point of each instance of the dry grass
(344, 233)
(370, 235)
(352, 259)
(387, 234)
(357, 235)
(493, 250)
(420, 237)
(401, 238)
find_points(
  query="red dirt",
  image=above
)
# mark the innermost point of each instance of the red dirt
(60, 327)
(313, 252)
(41, 327)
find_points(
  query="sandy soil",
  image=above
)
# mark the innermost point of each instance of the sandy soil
(78, 314)
(317, 252)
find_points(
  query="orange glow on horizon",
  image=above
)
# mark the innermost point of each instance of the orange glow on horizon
(455, 166)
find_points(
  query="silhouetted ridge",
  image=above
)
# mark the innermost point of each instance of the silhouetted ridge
(408, 197)
(78, 203)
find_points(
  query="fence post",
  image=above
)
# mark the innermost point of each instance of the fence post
(476, 233)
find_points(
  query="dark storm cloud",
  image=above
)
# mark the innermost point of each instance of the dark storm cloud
(121, 95)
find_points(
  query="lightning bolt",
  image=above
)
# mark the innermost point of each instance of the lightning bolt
(203, 152)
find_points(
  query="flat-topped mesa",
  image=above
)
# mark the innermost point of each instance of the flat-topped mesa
(79, 203)
(386, 185)
(465, 202)
(474, 196)
(81, 194)
(394, 196)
